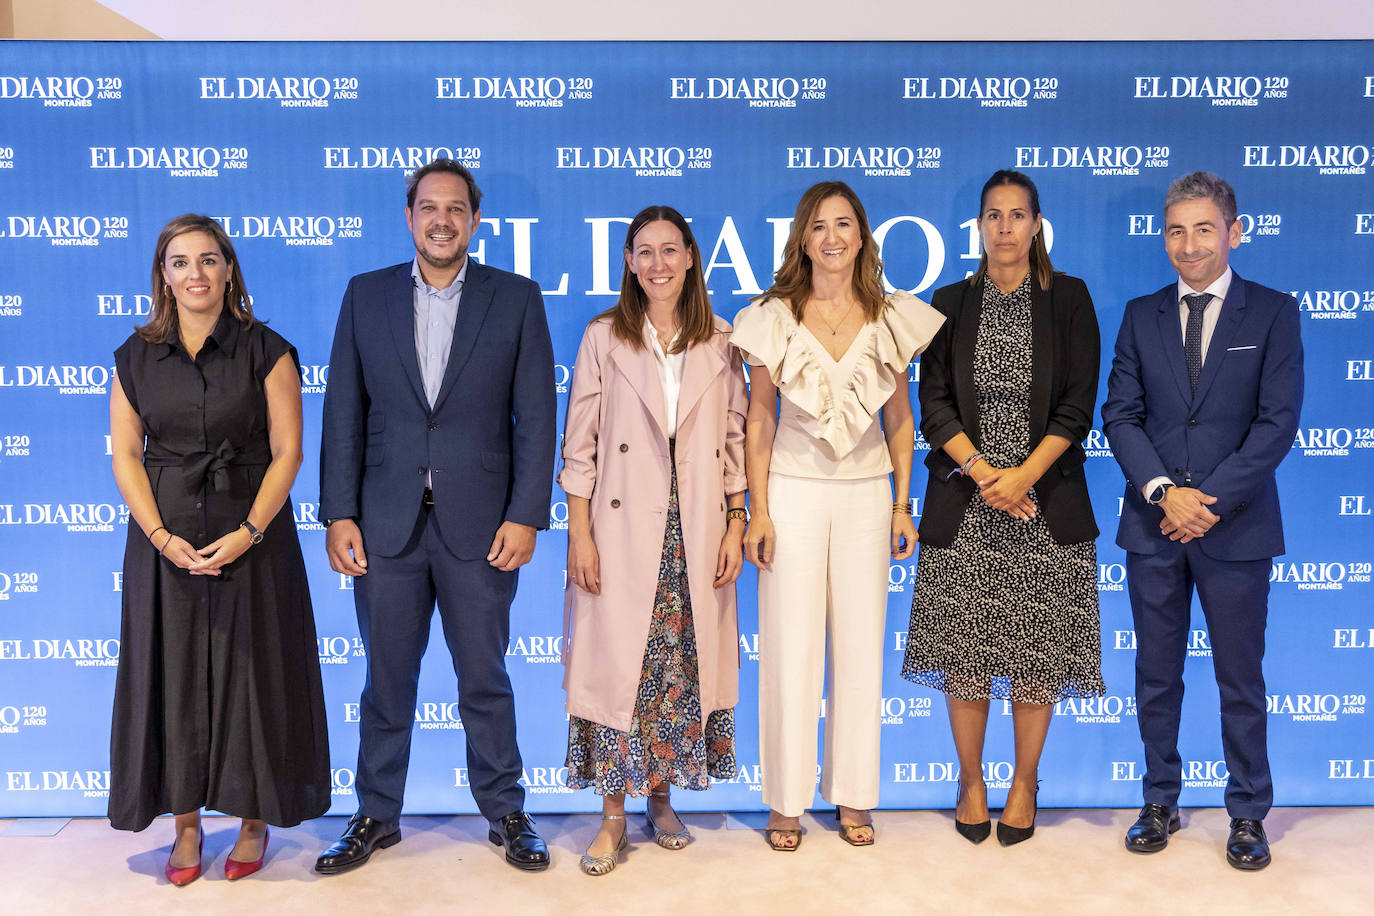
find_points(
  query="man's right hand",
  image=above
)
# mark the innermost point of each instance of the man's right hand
(1185, 513)
(344, 544)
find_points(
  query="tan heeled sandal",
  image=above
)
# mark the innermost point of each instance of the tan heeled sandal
(602, 865)
(849, 832)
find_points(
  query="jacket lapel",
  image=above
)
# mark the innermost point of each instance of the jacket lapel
(701, 365)
(640, 371)
(1232, 312)
(473, 304)
(1042, 358)
(400, 309)
(965, 346)
(1171, 338)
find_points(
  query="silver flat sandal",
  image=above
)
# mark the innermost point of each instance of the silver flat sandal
(602, 865)
(677, 839)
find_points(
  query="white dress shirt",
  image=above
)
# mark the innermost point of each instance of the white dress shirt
(1211, 313)
(669, 372)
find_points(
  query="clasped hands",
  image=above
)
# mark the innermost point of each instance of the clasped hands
(1008, 489)
(1186, 516)
(210, 559)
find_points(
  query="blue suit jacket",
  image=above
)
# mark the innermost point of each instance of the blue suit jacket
(1229, 437)
(488, 442)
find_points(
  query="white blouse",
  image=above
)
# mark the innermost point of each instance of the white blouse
(669, 373)
(828, 424)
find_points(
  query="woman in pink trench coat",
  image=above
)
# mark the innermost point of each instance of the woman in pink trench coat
(653, 465)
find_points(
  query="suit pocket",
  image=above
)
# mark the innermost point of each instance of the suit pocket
(373, 454)
(499, 462)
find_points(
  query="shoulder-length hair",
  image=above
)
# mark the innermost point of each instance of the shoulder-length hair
(162, 320)
(1039, 254)
(792, 282)
(696, 321)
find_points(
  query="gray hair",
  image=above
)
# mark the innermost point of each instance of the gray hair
(1203, 186)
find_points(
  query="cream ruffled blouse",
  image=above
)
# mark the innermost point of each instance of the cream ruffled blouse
(828, 426)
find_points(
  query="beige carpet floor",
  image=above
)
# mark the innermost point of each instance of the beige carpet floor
(1074, 864)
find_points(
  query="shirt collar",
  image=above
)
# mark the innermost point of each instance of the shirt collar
(1218, 289)
(651, 338)
(453, 289)
(225, 335)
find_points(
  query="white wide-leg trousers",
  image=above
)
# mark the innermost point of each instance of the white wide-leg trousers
(829, 576)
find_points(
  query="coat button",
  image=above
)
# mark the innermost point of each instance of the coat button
(717, 453)
(624, 447)
(615, 504)
(1192, 421)
(432, 425)
(1178, 470)
(423, 469)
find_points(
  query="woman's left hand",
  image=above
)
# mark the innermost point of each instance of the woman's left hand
(1007, 489)
(730, 557)
(903, 536)
(222, 552)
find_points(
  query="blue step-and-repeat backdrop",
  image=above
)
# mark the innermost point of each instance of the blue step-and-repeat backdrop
(301, 151)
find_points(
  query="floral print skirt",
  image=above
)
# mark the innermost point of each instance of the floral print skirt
(666, 744)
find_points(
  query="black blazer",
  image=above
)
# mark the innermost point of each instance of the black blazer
(1066, 351)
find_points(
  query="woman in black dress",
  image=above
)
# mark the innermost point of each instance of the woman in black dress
(218, 702)
(1006, 583)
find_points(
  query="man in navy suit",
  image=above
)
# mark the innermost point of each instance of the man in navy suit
(436, 468)
(1202, 405)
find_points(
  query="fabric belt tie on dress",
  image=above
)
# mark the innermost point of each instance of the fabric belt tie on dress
(200, 469)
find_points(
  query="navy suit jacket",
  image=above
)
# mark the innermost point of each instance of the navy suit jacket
(1229, 437)
(488, 442)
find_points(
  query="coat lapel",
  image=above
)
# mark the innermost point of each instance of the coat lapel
(702, 364)
(400, 309)
(473, 304)
(1171, 338)
(1042, 358)
(965, 346)
(1232, 313)
(640, 371)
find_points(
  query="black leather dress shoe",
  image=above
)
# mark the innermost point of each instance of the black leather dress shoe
(1247, 848)
(1150, 832)
(356, 845)
(524, 848)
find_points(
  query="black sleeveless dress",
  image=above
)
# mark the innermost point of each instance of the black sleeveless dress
(218, 702)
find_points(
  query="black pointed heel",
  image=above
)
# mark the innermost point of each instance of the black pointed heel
(1008, 835)
(974, 833)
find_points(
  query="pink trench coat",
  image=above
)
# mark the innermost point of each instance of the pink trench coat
(615, 453)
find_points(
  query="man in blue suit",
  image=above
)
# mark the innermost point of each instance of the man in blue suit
(436, 469)
(1202, 405)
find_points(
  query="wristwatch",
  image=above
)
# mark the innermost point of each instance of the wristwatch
(1157, 494)
(254, 535)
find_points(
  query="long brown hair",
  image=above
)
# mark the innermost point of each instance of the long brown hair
(162, 320)
(696, 321)
(792, 282)
(1039, 254)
